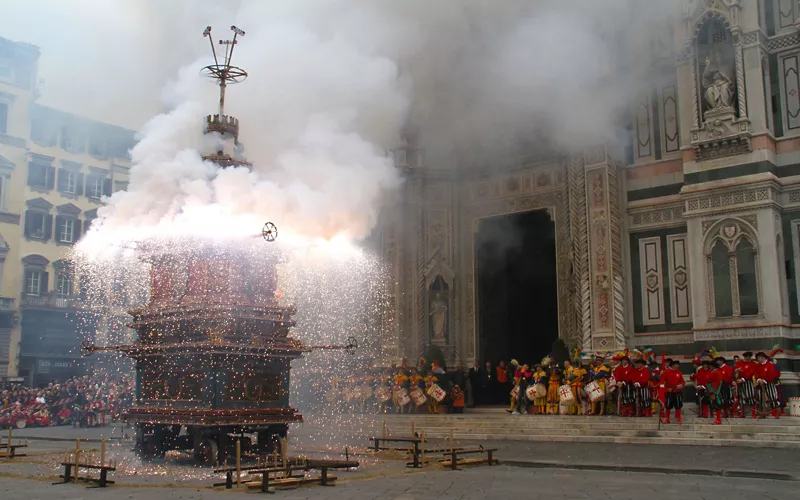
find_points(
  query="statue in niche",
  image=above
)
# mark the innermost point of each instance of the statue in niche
(718, 84)
(439, 297)
(718, 81)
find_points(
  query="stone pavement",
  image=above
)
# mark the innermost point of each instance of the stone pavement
(479, 483)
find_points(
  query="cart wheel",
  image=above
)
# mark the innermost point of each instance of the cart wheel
(206, 452)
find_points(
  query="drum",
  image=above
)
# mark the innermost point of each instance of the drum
(417, 396)
(531, 392)
(594, 392)
(541, 391)
(366, 393)
(794, 407)
(565, 394)
(383, 394)
(21, 424)
(515, 392)
(403, 397)
(437, 392)
(611, 384)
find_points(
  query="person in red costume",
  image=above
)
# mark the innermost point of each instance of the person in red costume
(700, 378)
(672, 382)
(623, 374)
(744, 372)
(714, 387)
(725, 398)
(641, 381)
(766, 376)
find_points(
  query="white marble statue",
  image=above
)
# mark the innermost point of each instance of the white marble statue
(718, 84)
(439, 316)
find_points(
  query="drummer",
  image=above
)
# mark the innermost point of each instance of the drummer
(540, 379)
(577, 381)
(599, 373)
(433, 404)
(525, 379)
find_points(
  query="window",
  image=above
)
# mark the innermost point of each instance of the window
(733, 273)
(746, 277)
(64, 283)
(33, 282)
(722, 280)
(41, 176)
(94, 188)
(66, 230)
(98, 186)
(3, 117)
(70, 182)
(38, 225)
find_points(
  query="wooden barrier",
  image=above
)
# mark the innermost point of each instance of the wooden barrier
(73, 466)
(9, 449)
(453, 461)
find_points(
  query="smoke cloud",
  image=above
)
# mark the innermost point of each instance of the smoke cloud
(332, 85)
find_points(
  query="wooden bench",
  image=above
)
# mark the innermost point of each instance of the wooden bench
(8, 450)
(101, 482)
(294, 465)
(453, 461)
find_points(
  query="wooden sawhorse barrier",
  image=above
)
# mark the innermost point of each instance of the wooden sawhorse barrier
(453, 462)
(9, 449)
(75, 463)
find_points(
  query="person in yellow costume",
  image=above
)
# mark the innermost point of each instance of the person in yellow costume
(400, 382)
(513, 404)
(553, 382)
(540, 378)
(577, 382)
(599, 373)
(433, 405)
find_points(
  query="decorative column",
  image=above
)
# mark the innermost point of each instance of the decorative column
(603, 229)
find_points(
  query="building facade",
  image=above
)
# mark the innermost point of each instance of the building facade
(55, 169)
(689, 236)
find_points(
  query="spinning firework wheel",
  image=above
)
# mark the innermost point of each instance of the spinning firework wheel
(269, 232)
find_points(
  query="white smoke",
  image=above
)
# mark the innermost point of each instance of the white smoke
(332, 84)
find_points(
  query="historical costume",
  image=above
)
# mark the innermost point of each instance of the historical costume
(623, 375)
(433, 404)
(725, 396)
(553, 383)
(401, 382)
(641, 381)
(540, 380)
(700, 379)
(713, 389)
(515, 382)
(577, 379)
(766, 377)
(672, 384)
(744, 372)
(599, 373)
(525, 379)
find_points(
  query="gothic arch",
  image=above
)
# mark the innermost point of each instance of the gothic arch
(731, 233)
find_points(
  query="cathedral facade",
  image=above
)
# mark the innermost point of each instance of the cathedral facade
(688, 237)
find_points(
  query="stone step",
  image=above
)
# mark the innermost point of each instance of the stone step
(688, 434)
(619, 440)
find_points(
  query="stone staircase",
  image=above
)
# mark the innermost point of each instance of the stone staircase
(494, 424)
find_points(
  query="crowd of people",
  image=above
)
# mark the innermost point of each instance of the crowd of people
(81, 401)
(628, 384)
(636, 385)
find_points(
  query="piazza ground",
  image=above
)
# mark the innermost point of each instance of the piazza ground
(530, 469)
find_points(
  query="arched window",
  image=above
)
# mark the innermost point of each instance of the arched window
(732, 266)
(746, 278)
(721, 265)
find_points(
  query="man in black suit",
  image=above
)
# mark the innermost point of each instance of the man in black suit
(488, 382)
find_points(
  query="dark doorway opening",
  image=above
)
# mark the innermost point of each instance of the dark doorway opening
(517, 287)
